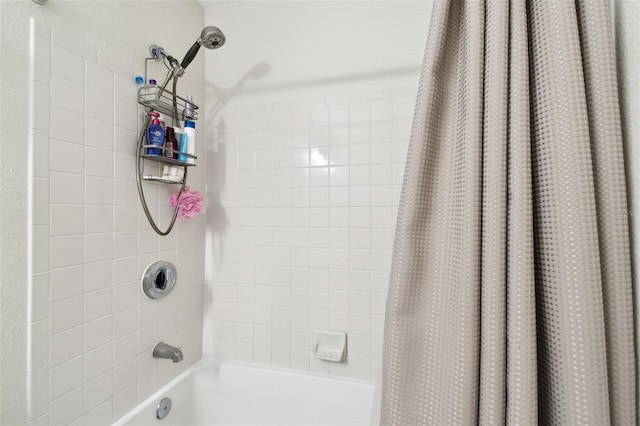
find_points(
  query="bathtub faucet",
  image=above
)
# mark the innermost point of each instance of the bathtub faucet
(162, 350)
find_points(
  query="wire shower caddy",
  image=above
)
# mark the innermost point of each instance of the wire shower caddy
(173, 107)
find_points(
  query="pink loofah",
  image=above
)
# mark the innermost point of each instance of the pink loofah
(190, 203)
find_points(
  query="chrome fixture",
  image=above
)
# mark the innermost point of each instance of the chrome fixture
(40, 2)
(162, 350)
(158, 53)
(159, 279)
(210, 37)
(163, 408)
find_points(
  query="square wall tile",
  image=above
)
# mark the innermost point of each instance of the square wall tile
(100, 134)
(125, 89)
(67, 126)
(98, 304)
(102, 415)
(66, 219)
(67, 64)
(98, 361)
(98, 247)
(65, 346)
(99, 78)
(98, 162)
(99, 106)
(98, 219)
(67, 188)
(66, 251)
(98, 332)
(67, 408)
(67, 95)
(66, 314)
(97, 391)
(98, 275)
(65, 377)
(125, 116)
(99, 190)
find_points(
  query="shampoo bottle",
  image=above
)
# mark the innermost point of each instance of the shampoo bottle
(155, 135)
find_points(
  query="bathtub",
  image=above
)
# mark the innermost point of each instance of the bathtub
(211, 393)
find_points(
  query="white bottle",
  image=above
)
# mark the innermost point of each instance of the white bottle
(190, 131)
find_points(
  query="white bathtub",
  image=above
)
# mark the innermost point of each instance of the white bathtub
(209, 393)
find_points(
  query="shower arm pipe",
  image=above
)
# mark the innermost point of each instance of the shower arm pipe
(139, 160)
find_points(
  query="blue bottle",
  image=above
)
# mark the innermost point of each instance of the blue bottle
(155, 135)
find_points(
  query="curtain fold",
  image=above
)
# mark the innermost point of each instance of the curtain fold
(510, 296)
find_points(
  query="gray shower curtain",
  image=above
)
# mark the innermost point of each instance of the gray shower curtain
(510, 295)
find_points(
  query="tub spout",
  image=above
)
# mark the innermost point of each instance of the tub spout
(162, 350)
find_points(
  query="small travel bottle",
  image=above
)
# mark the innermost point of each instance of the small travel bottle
(153, 89)
(170, 144)
(178, 132)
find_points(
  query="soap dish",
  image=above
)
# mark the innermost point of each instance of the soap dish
(330, 345)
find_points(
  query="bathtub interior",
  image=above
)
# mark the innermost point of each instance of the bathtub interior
(211, 393)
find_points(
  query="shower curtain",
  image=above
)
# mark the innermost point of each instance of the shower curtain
(510, 294)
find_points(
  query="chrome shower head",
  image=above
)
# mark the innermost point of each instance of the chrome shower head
(211, 38)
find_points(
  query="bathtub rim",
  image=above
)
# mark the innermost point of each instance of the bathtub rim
(212, 362)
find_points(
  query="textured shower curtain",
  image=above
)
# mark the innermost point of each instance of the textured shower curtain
(510, 295)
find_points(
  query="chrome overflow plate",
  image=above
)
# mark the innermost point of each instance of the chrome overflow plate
(163, 408)
(159, 279)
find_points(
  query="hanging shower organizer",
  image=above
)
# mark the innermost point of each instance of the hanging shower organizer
(172, 107)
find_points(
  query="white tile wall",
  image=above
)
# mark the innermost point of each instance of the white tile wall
(302, 199)
(91, 329)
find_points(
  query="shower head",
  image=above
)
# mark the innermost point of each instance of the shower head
(211, 38)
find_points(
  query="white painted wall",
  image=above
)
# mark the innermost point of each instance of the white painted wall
(113, 29)
(290, 50)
